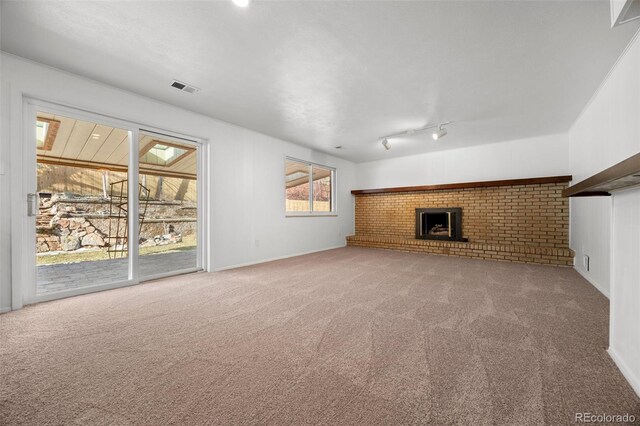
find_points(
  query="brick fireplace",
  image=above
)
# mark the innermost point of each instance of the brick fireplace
(523, 220)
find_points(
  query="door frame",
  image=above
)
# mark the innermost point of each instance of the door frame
(24, 263)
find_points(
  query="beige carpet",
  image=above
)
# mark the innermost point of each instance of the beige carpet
(347, 336)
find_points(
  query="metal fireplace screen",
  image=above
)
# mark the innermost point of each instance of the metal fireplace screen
(439, 224)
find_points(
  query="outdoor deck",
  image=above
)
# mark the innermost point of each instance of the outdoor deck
(66, 276)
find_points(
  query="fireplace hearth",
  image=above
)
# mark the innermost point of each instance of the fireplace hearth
(439, 224)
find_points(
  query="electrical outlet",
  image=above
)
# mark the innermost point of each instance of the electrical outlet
(586, 262)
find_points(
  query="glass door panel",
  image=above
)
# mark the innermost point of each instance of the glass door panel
(322, 185)
(168, 177)
(296, 186)
(80, 204)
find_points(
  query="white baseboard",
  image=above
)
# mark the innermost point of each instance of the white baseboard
(240, 265)
(628, 374)
(599, 287)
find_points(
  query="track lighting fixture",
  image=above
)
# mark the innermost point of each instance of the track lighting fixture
(440, 133)
(437, 134)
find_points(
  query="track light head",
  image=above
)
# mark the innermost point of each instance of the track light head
(385, 143)
(440, 133)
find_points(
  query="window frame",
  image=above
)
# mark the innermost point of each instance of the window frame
(311, 212)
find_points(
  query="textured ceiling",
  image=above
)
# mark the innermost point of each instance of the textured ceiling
(333, 73)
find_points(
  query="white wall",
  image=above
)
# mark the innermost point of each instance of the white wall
(524, 158)
(5, 217)
(624, 336)
(590, 233)
(246, 181)
(607, 229)
(607, 132)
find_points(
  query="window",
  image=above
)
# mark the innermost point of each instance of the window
(46, 132)
(42, 128)
(309, 187)
(166, 154)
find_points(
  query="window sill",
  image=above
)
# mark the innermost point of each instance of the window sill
(310, 214)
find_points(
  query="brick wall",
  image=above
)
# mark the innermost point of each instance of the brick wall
(531, 221)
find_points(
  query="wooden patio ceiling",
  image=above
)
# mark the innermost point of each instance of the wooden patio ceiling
(298, 173)
(83, 144)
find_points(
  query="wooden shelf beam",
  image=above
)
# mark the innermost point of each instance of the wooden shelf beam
(625, 173)
(465, 185)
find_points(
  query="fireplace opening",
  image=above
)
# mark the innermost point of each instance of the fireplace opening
(439, 224)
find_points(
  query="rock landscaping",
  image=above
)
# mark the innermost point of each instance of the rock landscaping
(68, 222)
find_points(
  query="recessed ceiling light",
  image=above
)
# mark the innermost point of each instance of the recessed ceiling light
(241, 3)
(95, 136)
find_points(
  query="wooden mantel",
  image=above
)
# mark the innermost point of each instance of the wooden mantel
(625, 173)
(480, 184)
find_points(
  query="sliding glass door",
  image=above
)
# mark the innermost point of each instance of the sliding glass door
(108, 204)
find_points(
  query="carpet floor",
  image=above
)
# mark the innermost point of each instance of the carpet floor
(346, 336)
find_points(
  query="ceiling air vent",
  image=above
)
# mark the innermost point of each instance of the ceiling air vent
(184, 87)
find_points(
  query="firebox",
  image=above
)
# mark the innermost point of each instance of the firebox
(439, 224)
